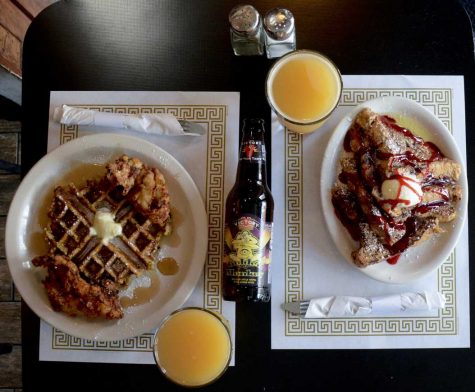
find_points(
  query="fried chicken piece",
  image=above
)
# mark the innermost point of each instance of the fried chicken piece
(68, 292)
(124, 172)
(145, 188)
(150, 196)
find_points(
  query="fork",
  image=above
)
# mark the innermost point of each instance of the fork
(303, 306)
(191, 127)
(297, 307)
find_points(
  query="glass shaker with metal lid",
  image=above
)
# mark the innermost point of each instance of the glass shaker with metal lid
(279, 26)
(247, 35)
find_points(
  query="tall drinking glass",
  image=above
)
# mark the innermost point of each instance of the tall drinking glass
(303, 88)
(193, 346)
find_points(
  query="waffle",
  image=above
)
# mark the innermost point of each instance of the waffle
(69, 232)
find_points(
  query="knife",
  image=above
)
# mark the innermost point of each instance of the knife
(347, 306)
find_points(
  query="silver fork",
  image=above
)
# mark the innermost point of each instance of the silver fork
(297, 307)
(191, 127)
(303, 306)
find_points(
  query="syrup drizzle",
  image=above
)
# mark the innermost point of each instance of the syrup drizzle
(167, 266)
(142, 294)
(393, 259)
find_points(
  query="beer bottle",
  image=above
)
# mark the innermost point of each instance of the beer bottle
(248, 222)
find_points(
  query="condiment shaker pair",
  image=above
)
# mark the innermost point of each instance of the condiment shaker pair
(250, 35)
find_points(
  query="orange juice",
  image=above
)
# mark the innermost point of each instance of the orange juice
(303, 88)
(193, 347)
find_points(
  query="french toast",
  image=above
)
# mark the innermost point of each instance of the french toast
(393, 189)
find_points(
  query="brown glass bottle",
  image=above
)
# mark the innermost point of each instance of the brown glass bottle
(248, 222)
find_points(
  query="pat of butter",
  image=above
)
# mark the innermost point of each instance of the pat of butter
(405, 189)
(105, 227)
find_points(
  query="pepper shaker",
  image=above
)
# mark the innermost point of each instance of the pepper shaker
(247, 34)
(279, 26)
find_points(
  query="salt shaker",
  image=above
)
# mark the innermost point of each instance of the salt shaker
(247, 34)
(279, 26)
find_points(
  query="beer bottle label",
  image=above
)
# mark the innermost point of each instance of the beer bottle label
(247, 252)
(253, 150)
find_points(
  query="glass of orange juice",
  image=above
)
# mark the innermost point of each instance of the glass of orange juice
(303, 88)
(193, 346)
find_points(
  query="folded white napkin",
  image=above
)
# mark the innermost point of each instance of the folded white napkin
(158, 124)
(342, 306)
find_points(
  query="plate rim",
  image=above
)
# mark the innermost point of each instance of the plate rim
(333, 149)
(111, 141)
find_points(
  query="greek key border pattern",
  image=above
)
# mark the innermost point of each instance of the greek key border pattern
(293, 216)
(215, 206)
(439, 101)
(142, 343)
(445, 323)
(213, 117)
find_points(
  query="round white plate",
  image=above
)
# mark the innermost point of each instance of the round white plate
(417, 261)
(188, 244)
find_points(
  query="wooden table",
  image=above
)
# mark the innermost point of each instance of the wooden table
(15, 18)
(184, 45)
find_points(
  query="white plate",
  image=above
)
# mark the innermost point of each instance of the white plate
(417, 261)
(188, 243)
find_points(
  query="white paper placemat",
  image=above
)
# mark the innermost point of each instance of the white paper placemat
(307, 264)
(211, 161)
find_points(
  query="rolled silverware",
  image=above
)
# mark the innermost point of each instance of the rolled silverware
(158, 124)
(346, 306)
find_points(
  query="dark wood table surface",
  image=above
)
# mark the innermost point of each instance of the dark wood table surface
(184, 45)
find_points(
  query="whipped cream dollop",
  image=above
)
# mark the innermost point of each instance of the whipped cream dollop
(105, 227)
(402, 191)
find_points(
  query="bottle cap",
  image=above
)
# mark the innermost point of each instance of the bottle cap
(244, 19)
(279, 23)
